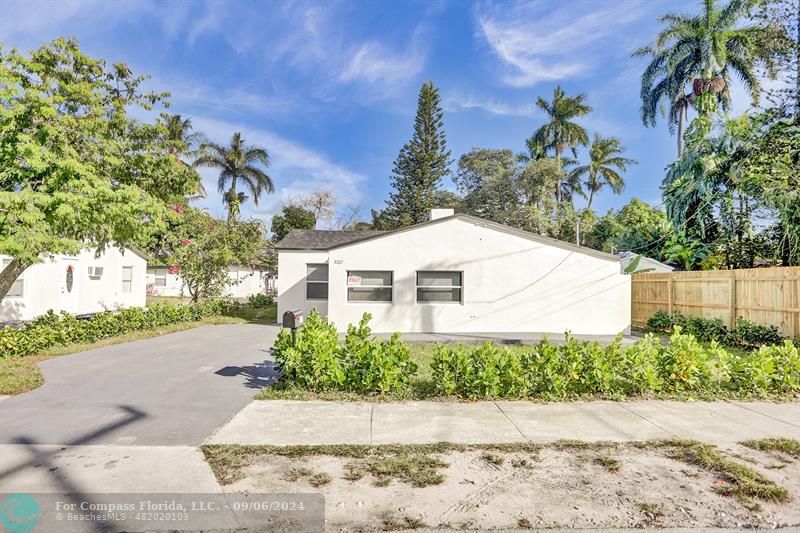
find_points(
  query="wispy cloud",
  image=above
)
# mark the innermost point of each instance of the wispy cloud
(377, 66)
(455, 103)
(537, 42)
(294, 168)
(32, 25)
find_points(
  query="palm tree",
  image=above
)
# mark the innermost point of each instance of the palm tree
(560, 132)
(604, 167)
(180, 139)
(237, 163)
(693, 58)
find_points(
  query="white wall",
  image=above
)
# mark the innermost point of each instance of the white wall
(244, 282)
(45, 285)
(511, 284)
(292, 282)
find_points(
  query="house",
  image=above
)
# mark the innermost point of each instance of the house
(80, 284)
(646, 264)
(453, 274)
(244, 281)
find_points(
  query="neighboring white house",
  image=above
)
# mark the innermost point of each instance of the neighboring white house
(78, 284)
(646, 264)
(244, 281)
(453, 274)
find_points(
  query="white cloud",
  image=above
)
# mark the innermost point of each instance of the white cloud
(295, 169)
(32, 25)
(374, 64)
(539, 42)
(455, 103)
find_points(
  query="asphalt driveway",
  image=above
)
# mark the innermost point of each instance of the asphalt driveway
(170, 390)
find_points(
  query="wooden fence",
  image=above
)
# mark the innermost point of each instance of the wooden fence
(764, 295)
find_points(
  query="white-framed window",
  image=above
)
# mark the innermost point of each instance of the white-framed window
(127, 279)
(18, 287)
(160, 277)
(435, 286)
(369, 286)
(316, 282)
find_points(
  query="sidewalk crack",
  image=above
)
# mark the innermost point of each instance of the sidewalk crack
(512, 422)
(371, 413)
(648, 421)
(762, 414)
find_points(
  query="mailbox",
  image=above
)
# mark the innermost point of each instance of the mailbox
(293, 319)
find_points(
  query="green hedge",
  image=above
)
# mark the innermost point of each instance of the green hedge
(318, 362)
(746, 333)
(52, 329)
(574, 369)
(260, 301)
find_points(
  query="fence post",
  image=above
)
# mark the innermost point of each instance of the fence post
(669, 294)
(732, 307)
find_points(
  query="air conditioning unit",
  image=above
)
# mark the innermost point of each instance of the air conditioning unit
(95, 272)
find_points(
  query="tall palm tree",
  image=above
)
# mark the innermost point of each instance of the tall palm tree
(604, 167)
(181, 139)
(692, 60)
(237, 163)
(561, 132)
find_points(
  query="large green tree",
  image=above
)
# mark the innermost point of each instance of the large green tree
(291, 217)
(420, 165)
(238, 163)
(76, 170)
(604, 167)
(694, 57)
(561, 131)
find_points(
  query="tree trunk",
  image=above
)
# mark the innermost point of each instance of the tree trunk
(681, 117)
(558, 167)
(10, 274)
(797, 69)
(591, 196)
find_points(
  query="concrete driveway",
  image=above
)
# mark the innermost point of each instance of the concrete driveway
(170, 390)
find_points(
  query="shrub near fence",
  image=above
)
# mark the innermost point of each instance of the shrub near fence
(61, 329)
(745, 334)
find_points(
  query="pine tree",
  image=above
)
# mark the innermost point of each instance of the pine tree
(420, 165)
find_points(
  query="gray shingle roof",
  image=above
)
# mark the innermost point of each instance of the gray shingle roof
(319, 239)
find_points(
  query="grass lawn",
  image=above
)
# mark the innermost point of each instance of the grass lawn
(21, 374)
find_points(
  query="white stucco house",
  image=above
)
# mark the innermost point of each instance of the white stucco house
(244, 281)
(453, 274)
(80, 284)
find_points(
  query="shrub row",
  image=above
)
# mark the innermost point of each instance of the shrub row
(318, 362)
(556, 372)
(52, 329)
(745, 333)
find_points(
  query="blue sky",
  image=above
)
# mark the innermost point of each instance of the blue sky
(330, 88)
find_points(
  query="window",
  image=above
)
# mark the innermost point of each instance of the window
(17, 286)
(435, 286)
(369, 286)
(160, 277)
(127, 280)
(316, 282)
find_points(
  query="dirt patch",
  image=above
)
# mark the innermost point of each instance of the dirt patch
(536, 487)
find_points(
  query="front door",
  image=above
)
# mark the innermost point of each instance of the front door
(70, 279)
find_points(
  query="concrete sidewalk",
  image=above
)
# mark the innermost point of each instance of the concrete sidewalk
(318, 422)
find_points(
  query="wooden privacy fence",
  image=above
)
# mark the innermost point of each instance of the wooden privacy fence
(768, 296)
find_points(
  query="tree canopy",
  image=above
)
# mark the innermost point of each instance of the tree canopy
(76, 170)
